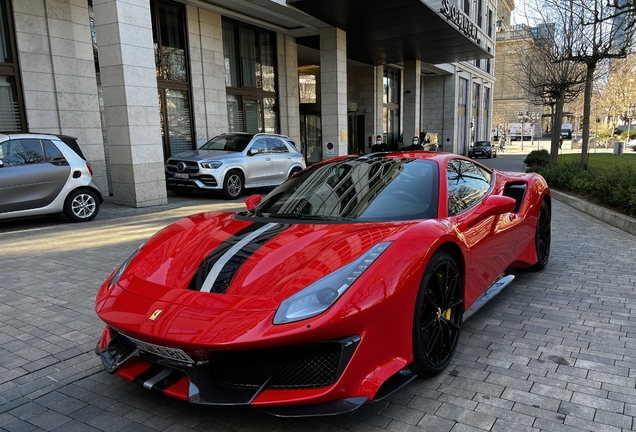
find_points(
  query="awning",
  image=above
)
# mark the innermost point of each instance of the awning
(392, 31)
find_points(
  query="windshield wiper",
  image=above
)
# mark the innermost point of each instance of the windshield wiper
(307, 217)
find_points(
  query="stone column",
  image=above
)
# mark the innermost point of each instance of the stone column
(288, 96)
(378, 106)
(333, 82)
(131, 107)
(411, 104)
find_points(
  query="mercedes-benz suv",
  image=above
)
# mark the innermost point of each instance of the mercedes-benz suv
(231, 162)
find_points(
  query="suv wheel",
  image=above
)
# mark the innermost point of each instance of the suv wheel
(233, 185)
(81, 205)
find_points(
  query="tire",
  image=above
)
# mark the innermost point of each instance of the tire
(81, 205)
(294, 171)
(542, 237)
(438, 316)
(233, 185)
(181, 191)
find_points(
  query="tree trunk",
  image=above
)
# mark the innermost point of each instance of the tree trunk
(556, 129)
(587, 109)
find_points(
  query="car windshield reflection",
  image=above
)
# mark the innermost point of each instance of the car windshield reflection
(228, 142)
(357, 190)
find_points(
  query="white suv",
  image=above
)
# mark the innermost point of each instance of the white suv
(234, 161)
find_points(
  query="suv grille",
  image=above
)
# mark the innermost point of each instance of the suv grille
(190, 167)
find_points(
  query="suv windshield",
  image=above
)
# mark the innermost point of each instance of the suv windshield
(381, 189)
(482, 143)
(228, 142)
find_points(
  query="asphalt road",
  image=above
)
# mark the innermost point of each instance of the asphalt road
(555, 351)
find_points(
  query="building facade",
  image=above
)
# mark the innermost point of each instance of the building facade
(140, 80)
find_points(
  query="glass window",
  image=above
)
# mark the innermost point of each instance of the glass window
(462, 114)
(260, 145)
(234, 114)
(307, 88)
(468, 183)
(269, 115)
(22, 152)
(267, 62)
(253, 116)
(249, 61)
(170, 52)
(229, 54)
(381, 189)
(10, 119)
(276, 146)
(51, 151)
(6, 55)
(178, 119)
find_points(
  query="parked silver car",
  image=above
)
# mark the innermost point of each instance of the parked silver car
(45, 174)
(232, 162)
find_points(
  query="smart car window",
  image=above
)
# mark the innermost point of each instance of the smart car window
(22, 152)
(381, 189)
(51, 151)
(468, 183)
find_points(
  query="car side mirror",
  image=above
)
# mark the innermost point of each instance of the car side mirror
(252, 201)
(252, 152)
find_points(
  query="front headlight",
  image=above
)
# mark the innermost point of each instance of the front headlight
(319, 296)
(211, 165)
(122, 268)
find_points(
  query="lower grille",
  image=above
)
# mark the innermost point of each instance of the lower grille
(297, 367)
(207, 180)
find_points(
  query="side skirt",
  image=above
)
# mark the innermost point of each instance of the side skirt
(492, 291)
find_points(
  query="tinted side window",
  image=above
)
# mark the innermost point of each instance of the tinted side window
(260, 145)
(467, 184)
(51, 151)
(276, 146)
(22, 152)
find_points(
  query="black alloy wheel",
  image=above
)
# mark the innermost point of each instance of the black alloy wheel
(294, 171)
(438, 316)
(543, 237)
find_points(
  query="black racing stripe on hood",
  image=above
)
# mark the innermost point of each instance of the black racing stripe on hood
(230, 268)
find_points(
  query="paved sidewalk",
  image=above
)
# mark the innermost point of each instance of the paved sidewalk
(555, 351)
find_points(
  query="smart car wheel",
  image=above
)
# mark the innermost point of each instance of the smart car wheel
(233, 185)
(542, 237)
(438, 316)
(81, 205)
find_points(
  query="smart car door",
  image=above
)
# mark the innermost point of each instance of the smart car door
(259, 163)
(27, 179)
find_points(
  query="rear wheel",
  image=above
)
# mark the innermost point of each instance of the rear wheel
(294, 171)
(542, 237)
(438, 316)
(233, 185)
(81, 205)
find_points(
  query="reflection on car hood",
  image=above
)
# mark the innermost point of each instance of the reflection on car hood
(277, 261)
(201, 155)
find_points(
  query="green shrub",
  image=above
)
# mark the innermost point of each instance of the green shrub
(615, 188)
(538, 158)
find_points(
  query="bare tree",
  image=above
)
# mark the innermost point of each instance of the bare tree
(548, 81)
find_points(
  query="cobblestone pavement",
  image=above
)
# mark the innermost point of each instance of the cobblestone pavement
(555, 351)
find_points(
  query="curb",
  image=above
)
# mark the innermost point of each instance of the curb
(610, 217)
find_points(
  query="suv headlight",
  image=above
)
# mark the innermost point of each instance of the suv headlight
(319, 296)
(211, 165)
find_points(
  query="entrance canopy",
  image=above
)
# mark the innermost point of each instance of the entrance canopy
(392, 31)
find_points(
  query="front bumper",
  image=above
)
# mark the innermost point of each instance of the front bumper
(201, 181)
(234, 377)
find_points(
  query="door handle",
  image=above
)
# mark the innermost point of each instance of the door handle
(288, 157)
(268, 158)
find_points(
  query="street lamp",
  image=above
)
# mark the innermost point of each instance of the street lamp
(598, 120)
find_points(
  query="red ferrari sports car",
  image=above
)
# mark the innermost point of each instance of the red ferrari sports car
(341, 285)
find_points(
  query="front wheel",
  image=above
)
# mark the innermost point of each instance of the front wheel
(233, 185)
(81, 205)
(438, 316)
(542, 237)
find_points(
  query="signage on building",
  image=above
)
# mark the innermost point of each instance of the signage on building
(460, 19)
(330, 150)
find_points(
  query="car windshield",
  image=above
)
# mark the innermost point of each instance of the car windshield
(377, 189)
(481, 143)
(228, 142)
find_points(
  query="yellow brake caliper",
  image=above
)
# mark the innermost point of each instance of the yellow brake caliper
(447, 312)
